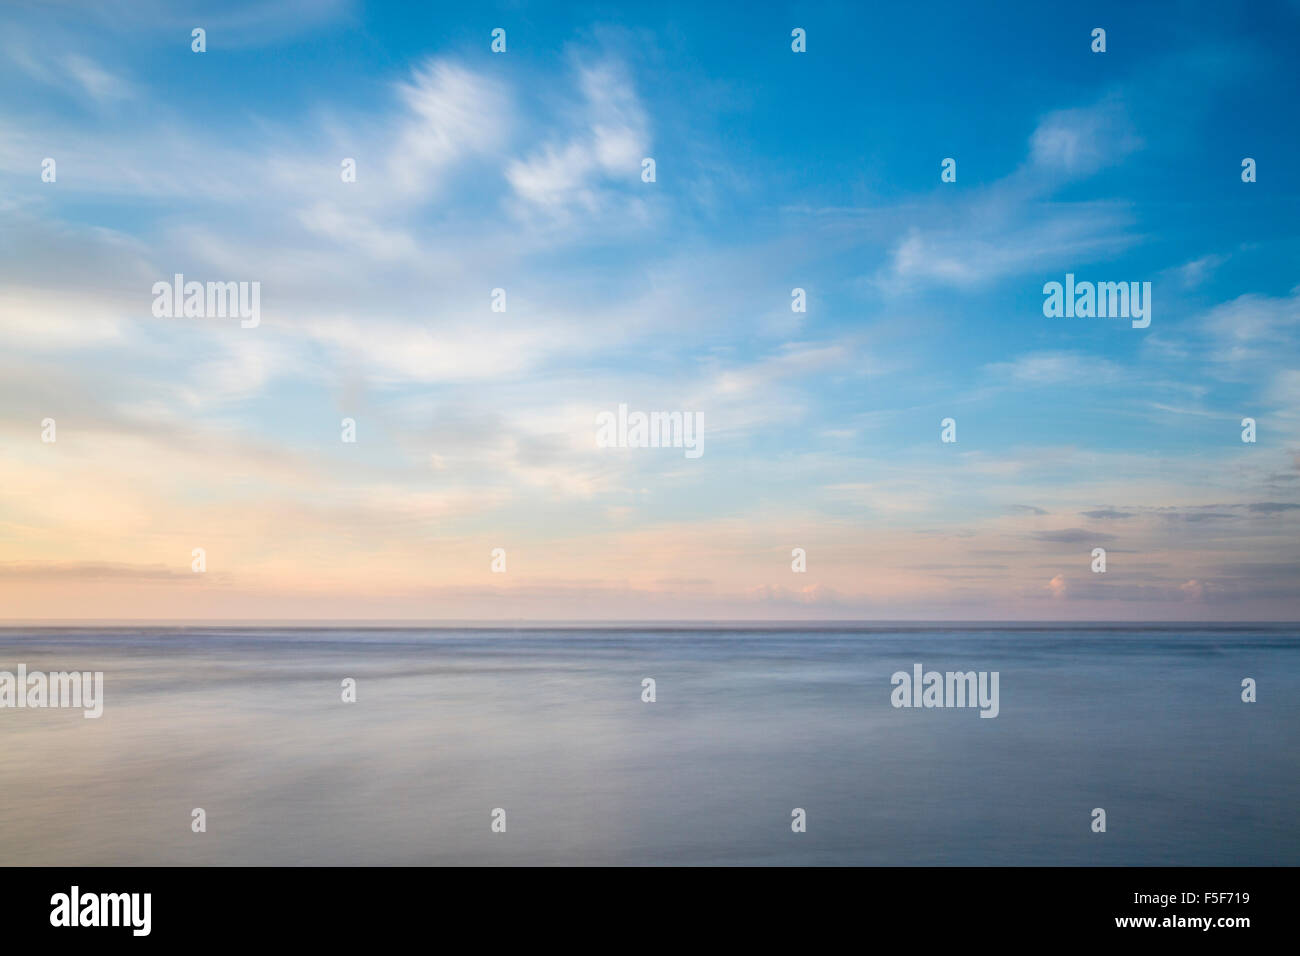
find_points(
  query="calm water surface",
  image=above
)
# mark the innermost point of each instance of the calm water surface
(549, 724)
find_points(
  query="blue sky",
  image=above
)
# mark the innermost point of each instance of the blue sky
(774, 170)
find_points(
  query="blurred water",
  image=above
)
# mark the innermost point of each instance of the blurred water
(549, 724)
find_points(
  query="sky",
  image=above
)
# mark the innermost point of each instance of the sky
(774, 170)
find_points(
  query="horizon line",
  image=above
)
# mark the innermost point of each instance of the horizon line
(571, 624)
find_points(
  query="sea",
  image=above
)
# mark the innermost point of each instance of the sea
(763, 745)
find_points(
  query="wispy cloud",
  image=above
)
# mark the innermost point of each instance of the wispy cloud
(475, 427)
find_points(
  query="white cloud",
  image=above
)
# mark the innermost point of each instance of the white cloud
(95, 80)
(1005, 238)
(1194, 273)
(1079, 142)
(1054, 368)
(1010, 227)
(1252, 326)
(454, 113)
(397, 351)
(606, 147)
